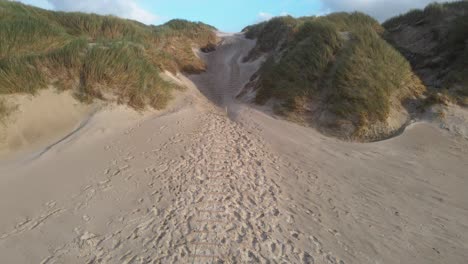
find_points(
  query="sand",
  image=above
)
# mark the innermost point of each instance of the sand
(37, 121)
(214, 180)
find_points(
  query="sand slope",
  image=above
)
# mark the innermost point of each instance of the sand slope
(216, 181)
(39, 120)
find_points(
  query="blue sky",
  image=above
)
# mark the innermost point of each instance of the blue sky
(233, 15)
(230, 15)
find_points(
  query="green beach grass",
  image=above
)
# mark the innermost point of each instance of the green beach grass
(339, 60)
(95, 55)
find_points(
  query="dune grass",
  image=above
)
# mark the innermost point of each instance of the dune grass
(285, 28)
(301, 67)
(345, 22)
(270, 33)
(123, 69)
(96, 56)
(432, 13)
(368, 73)
(22, 35)
(339, 61)
(97, 27)
(448, 24)
(458, 55)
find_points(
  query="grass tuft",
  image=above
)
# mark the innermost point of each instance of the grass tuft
(302, 65)
(368, 74)
(123, 69)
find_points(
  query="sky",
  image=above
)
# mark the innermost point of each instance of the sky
(228, 15)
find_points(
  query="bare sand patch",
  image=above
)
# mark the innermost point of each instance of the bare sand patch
(39, 120)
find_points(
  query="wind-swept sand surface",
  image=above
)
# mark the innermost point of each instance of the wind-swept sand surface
(217, 181)
(36, 121)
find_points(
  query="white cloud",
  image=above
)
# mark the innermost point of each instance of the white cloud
(263, 16)
(379, 9)
(324, 12)
(122, 8)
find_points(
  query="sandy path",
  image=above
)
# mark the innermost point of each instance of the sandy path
(197, 185)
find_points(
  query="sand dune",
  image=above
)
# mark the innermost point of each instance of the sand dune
(212, 180)
(39, 120)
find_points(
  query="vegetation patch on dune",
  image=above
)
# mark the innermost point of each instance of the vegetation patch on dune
(270, 35)
(96, 56)
(337, 64)
(434, 40)
(368, 73)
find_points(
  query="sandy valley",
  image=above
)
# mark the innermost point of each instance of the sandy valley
(216, 180)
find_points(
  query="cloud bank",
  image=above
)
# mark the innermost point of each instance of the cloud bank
(379, 9)
(122, 8)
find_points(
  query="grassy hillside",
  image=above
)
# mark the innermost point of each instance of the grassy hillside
(338, 64)
(96, 56)
(435, 42)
